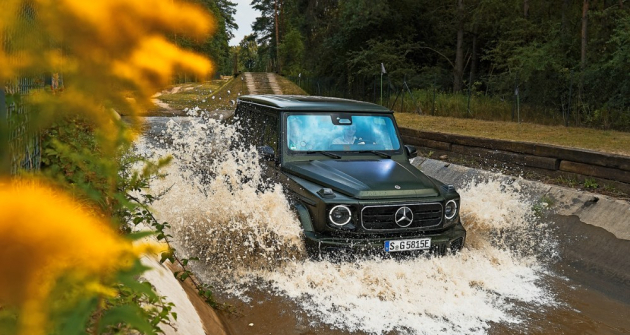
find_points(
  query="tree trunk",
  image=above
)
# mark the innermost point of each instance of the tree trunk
(458, 71)
(473, 65)
(584, 30)
(275, 13)
(565, 7)
(526, 8)
(582, 57)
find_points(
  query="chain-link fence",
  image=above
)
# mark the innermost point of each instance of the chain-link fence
(554, 98)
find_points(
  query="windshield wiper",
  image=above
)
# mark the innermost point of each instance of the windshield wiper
(378, 153)
(325, 153)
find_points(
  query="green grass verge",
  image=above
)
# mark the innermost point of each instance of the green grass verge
(585, 138)
(288, 87)
(218, 94)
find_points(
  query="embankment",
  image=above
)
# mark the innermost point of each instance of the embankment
(547, 160)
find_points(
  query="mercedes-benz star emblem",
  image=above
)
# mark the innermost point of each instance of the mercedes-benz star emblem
(404, 216)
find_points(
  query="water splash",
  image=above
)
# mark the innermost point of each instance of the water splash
(217, 203)
(242, 229)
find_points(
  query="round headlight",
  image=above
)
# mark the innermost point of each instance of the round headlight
(450, 210)
(340, 215)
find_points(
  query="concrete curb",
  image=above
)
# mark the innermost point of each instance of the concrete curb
(540, 156)
(611, 214)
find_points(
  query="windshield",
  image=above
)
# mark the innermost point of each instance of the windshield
(341, 132)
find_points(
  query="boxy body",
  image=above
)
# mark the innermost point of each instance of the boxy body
(347, 175)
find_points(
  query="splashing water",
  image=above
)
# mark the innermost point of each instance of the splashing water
(243, 230)
(217, 204)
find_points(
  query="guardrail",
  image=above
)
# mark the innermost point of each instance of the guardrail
(539, 156)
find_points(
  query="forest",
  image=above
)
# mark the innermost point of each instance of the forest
(558, 62)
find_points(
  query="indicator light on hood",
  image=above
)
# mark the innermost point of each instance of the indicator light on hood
(326, 193)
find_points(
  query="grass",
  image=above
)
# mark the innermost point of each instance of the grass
(481, 107)
(201, 95)
(218, 94)
(585, 138)
(288, 87)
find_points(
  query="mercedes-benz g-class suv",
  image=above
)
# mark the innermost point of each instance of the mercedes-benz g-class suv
(348, 176)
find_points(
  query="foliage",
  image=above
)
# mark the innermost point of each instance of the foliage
(505, 48)
(71, 260)
(291, 52)
(248, 55)
(71, 270)
(214, 46)
(590, 183)
(72, 158)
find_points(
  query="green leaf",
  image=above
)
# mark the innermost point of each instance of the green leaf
(132, 316)
(141, 288)
(184, 275)
(139, 235)
(167, 256)
(78, 319)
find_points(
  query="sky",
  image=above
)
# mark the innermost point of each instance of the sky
(245, 16)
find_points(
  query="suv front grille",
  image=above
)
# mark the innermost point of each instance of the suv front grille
(385, 217)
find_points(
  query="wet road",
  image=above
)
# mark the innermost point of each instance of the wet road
(590, 282)
(519, 273)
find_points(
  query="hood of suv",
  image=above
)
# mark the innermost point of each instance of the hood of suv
(366, 179)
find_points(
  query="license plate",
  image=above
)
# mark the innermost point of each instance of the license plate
(408, 245)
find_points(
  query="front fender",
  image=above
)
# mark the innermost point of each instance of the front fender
(304, 216)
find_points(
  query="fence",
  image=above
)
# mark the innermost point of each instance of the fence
(23, 143)
(552, 98)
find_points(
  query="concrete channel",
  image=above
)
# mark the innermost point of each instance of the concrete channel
(594, 229)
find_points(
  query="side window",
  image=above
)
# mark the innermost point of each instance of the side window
(257, 127)
(270, 136)
(246, 123)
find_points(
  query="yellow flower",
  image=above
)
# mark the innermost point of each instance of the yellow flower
(44, 234)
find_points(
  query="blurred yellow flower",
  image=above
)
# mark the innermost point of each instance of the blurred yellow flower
(44, 234)
(112, 53)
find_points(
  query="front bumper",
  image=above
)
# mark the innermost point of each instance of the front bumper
(451, 239)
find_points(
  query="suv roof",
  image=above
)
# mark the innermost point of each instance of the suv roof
(314, 103)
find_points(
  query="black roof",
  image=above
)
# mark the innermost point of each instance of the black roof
(313, 103)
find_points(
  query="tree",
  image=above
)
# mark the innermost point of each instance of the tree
(458, 72)
(266, 27)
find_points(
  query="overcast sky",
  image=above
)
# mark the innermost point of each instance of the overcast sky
(245, 16)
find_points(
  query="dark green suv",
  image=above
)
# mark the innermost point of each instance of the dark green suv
(348, 176)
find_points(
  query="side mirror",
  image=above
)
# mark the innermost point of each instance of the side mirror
(266, 153)
(411, 151)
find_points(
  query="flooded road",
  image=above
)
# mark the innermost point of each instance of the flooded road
(524, 269)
